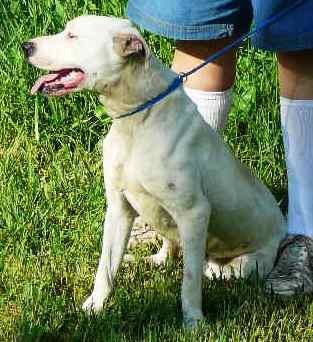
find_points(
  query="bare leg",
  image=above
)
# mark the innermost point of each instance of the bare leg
(210, 88)
(216, 76)
(296, 74)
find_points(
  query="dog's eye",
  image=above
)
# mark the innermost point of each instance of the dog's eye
(71, 35)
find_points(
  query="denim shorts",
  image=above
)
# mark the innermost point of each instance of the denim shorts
(215, 19)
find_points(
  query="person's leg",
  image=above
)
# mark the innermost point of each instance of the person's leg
(216, 76)
(293, 272)
(296, 89)
(199, 28)
(296, 74)
(292, 38)
(210, 88)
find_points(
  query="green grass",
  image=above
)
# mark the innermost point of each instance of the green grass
(53, 204)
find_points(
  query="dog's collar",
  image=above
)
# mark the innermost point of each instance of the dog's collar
(176, 83)
(179, 79)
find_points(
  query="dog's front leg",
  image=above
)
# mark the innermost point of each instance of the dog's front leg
(117, 226)
(193, 226)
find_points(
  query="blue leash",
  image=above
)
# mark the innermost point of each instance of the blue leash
(178, 81)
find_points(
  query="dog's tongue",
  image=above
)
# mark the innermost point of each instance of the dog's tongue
(41, 81)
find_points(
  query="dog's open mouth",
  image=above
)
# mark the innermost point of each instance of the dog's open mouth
(59, 82)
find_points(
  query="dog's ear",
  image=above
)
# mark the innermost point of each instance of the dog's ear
(129, 44)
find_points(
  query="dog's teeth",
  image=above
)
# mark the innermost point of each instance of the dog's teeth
(69, 77)
(47, 89)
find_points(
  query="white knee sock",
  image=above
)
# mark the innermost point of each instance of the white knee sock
(213, 106)
(297, 126)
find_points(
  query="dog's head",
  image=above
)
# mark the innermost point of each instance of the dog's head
(90, 53)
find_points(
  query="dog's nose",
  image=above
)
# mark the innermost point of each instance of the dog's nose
(28, 48)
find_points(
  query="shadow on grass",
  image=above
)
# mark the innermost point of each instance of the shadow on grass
(145, 299)
(147, 307)
(246, 299)
(111, 325)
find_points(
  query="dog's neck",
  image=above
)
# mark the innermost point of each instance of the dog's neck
(139, 82)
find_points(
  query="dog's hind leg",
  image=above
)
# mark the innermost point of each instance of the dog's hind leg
(258, 263)
(118, 221)
(169, 249)
(238, 267)
(212, 270)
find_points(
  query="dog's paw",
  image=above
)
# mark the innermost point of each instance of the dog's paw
(213, 271)
(158, 259)
(93, 304)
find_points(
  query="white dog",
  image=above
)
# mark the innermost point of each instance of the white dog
(164, 164)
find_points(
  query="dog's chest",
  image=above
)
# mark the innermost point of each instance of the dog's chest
(127, 175)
